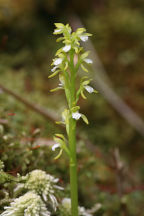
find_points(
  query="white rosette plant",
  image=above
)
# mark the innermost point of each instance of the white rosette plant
(41, 183)
(29, 204)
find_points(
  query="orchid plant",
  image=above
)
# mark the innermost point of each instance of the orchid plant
(66, 64)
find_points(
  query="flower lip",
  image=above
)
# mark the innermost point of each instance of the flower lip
(58, 61)
(60, 84)
(54, 68)
(89, 89)
(84, 38)
(66, 48)
(56, 145)
(88, 61)
(76, 115)
(57, 30)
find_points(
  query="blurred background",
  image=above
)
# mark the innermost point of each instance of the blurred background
(111, 148)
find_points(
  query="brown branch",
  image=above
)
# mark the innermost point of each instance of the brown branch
(47, 114)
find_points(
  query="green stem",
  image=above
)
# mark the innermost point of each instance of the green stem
(73, 169)
(72, 144)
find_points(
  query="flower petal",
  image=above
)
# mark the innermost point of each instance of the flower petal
(57, 31)
(76, 115)
(84, 38)
(53, 69)
(88, 61)
(66, 48)
(57, 145)
(89, 89)
(58, 61)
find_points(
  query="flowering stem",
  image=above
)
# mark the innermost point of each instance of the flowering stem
(72, 143)
(67, 69)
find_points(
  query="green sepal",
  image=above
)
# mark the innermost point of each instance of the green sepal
(65, 116)
(59, 154)
(95, 91)
(61, 79)
(82, 66)
(78, 94)
(56, 89)
(66, 66)
(88, 34)
(83, 78)
(60, 39)
(85, 54)
(59, 25)
(75, 109)
(60, 122)
(58, 52)
(77, 43)
(86, 82)
(84, 118)
(54, 74)
(67, 41)
(61, 136)
(79, 31)
(76, 49)
(82, 94)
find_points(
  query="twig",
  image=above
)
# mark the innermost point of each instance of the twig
(37, 108)
(119, 168)
(47, 114)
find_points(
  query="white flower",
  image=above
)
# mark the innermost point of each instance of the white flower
(76, 115)
(54, 68)
(57, 31)
(84, 38)
(66, 48)
(57, 145)
(88, 61)
(58, 61)
(89, 89)
(60, 84)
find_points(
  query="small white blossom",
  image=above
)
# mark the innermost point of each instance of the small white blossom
(84, 38)
(76, 115)
(58, 61)
(89, 89)
(66, 48)
(88, 61)
(57, 145)
(54, 68)
(57, 31)
(60, 84)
